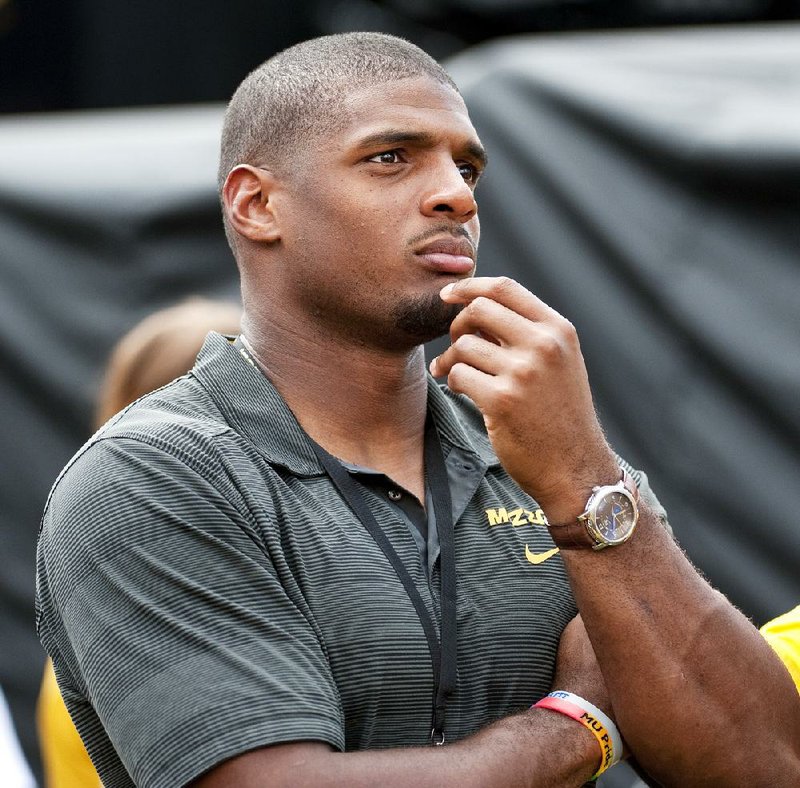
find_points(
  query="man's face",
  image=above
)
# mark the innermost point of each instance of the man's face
(377, 217)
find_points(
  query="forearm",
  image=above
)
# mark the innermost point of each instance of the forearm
(699, 696)
(535, 749)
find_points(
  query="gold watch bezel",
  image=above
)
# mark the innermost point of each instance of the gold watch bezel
(589, 517)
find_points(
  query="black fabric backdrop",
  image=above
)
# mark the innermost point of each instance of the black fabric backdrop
(646, 185)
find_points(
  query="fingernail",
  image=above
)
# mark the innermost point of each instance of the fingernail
(446, 290)
(432, 365)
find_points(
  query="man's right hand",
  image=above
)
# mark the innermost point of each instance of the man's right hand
(520, 362)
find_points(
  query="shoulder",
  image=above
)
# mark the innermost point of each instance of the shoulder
(179, 412)
(165, 457)
(156, 474)
(179, 421)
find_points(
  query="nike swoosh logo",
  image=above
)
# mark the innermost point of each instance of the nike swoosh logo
(539, 558)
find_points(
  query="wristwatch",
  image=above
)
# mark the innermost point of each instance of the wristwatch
(610, 518)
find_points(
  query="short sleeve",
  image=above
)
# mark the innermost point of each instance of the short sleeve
(165, 616)
(783, 634)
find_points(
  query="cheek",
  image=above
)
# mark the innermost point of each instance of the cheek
(373, 230)
(474, 227)
(361, 225)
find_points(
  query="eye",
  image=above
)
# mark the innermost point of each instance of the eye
(469, 172)
(387, 157)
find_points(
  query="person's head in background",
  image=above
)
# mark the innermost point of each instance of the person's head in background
(159, 349)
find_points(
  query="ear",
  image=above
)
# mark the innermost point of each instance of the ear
(249, 199)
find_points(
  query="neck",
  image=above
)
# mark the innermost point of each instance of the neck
(363, 405)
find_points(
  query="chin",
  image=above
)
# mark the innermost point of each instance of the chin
(424, 318)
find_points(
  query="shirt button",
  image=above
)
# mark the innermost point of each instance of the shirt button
(395, 495)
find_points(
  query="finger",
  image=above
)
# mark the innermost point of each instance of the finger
(473, 350)
(492, 320)
(477, 385)
(501, 289)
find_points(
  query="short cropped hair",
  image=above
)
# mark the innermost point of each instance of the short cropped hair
(285, 103)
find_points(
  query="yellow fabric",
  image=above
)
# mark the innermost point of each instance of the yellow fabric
(64, 758)
(783, 634)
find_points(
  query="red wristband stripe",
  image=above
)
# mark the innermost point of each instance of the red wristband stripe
(596, 727)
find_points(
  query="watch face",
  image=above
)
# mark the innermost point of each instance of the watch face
(615, 516)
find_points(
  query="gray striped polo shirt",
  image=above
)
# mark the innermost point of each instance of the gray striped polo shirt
(204, 590)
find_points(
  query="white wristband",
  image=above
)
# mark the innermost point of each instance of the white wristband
(601, 716)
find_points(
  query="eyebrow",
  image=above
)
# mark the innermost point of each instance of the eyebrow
(419, 138)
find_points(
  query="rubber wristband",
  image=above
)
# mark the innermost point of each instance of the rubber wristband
(598, 714)
(604, 738)
(595, 728)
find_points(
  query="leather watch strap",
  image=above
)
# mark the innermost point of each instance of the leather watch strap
(572, 536)
(630, 485)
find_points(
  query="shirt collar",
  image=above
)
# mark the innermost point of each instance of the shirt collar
(255, 409)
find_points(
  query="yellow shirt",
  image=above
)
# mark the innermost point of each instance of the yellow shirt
(783, 634)
(64, 758)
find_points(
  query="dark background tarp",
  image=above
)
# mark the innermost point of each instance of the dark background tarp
(646, 185)
(88, 54)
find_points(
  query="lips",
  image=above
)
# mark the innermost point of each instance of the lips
(448, 255)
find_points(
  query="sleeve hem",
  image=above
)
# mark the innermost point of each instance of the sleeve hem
(236, 741)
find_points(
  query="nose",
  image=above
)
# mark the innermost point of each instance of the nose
(450, 195)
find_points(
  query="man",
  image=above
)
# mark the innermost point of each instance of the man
(304, 563)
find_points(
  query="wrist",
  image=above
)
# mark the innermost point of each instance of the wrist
(609, 746)
(609, 518)
(577, 746)
(533, 748)
(566, 502)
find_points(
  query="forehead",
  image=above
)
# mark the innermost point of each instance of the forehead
(419, 105)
